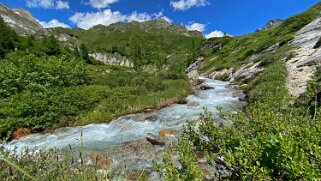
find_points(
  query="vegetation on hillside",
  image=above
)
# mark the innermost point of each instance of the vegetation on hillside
(270, 139)
(46, 85)
(144, 43)
(237, 50)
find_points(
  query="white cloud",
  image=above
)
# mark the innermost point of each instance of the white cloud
(101, 3)
(138, 17)
(40, 3)
(62, 5)
(87, 20)
(187, 4)
(53, 23)
(107, 17)
(216, 34)
(196, 26)
(48, 4)
(161, 16)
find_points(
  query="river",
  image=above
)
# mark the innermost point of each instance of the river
(111, 137)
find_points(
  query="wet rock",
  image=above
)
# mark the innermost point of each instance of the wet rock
(19, 133)
(192, 74)
(206, 87)
(200, 81)
(182, 102)
(225, 74)
(166, 132)
(154, 140)
(152, 118)
(193, 104)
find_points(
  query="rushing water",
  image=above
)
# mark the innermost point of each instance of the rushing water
(100, 137)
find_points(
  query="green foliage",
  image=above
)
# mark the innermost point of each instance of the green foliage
(261, 87)
(51, 45)
(49, 92)
(46, 165)
(187, 170)
(51, 108)
(238, 50)
(138, 57)
(8, 39)
(83, 52)
(19, 73)
(271, 139)
(146, 46)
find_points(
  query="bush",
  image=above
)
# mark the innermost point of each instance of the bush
(20, 72)
(270, 140)
(51, 108)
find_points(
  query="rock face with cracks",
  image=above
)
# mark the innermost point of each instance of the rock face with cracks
(302, 67)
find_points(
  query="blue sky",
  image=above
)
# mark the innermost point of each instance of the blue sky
(236, 17)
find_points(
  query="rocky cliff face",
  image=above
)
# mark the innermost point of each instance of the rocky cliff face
(302, 66)
(20, 20)
(112, 59)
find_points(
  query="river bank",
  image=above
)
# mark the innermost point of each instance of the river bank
(126, 144)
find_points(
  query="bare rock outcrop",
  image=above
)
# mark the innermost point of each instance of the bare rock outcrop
(302, 67)
(112, 59)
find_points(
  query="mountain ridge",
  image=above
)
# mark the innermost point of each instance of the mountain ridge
(20, 20)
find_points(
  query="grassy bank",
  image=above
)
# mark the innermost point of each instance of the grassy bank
(271, 139)
(51, 92)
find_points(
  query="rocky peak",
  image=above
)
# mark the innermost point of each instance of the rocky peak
(24, 13)
(271, 24)
(160, 23)
(20, 20)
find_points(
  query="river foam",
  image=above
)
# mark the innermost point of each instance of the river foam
(105, 137)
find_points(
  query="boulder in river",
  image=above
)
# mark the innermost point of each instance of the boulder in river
(19, 133)
(206, 87)
(154, 140)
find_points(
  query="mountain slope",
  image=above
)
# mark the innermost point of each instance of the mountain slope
(20, 20)
(242, 58)
(157, 40)
(277, 135)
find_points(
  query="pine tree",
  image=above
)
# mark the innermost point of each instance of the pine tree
(7, 38)
(138, 57)
(52, 44)
(84, 53)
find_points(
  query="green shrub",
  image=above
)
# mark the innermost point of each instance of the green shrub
(28, 72)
